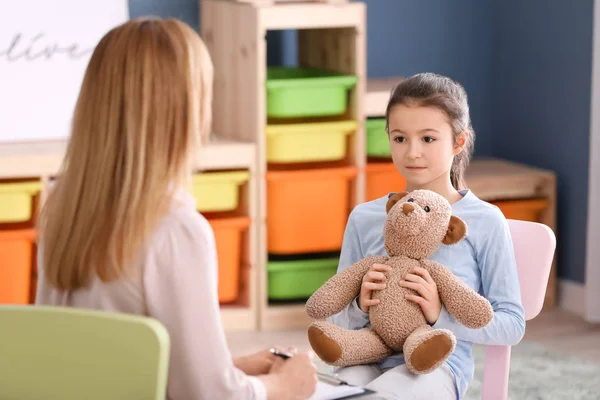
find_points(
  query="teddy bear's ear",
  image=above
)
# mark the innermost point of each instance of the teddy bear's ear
(393, 200)
(457, 230)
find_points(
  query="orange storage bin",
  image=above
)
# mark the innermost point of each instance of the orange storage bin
(307, 209)
(16, 253)
(524, 210)
(383, 178)
(228, 237)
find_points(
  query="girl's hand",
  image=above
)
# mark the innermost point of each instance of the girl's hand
(427, 293)
(374, 279)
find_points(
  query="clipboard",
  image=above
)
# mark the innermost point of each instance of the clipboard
(330, 387)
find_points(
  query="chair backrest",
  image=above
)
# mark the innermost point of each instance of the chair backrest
(66, 353)
(534, 245)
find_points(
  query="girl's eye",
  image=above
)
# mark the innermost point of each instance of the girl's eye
(428, 139)
(427, 209)
(399, 139)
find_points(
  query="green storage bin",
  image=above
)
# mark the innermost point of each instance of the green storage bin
(378, 144)
(298, 279)
(306, 92)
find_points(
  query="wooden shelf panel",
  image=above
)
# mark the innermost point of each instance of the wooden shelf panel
(493, 179)
(35, 159)
(310, 15)
(284, 317)
(222, 153)
(271, 2)
(236, 319)
(378, 94)
(38, 159)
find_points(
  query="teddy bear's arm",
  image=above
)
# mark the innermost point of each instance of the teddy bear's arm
(340, 289)
(466, 305)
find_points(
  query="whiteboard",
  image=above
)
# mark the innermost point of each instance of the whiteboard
(45, 46)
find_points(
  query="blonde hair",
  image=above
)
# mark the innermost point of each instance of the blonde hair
(143, 111)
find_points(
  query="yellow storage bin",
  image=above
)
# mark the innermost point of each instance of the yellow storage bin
(308, 142)
(16, 200)
(218, 191)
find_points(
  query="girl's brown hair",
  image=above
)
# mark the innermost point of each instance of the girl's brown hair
(432, 90)
(143, 110)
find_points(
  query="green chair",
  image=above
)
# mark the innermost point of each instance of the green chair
(54, 353)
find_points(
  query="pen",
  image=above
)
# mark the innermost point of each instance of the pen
(329, 378)
(281, 354)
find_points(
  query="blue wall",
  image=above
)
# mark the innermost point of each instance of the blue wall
(526, 66)
(541, 78)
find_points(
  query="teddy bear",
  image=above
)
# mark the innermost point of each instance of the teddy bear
(417, 223)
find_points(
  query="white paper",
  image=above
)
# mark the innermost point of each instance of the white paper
(326, 391)
(45, 46)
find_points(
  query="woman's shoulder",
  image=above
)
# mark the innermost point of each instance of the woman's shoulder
(183, 223)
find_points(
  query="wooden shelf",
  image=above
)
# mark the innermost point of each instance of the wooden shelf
(329, 36)
(284, 317)
(279, 2)
(34, 159)
(378, 94)
(302, 15)
(238, 319)
(493, 180)
(222, 153)
(43, 159)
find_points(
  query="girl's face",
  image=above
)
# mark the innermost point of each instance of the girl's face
(422, 145)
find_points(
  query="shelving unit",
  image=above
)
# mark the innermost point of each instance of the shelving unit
(42, 161)
(330, 36)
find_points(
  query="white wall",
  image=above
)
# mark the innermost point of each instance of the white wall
(592, 272)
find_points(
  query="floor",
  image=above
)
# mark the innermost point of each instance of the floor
(557, 330)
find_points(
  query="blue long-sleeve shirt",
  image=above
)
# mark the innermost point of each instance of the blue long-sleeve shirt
(484, 260)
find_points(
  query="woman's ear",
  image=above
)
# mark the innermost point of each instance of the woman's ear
(457, 231)
(393, 200)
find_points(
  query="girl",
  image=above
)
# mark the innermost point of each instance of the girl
(431, 141)
(119, 232)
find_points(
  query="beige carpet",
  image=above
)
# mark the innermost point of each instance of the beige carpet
(536, 372)
(539, 374)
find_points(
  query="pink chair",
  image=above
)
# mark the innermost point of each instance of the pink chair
(534, 246)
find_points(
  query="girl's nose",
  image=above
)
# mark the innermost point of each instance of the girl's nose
(414, 151)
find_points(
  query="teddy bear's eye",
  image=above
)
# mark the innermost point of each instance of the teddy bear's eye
(427, 209)
(411, 200)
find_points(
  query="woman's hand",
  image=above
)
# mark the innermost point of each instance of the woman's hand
(427, 293)
(292, 379)
(374, 279)
(259, 363)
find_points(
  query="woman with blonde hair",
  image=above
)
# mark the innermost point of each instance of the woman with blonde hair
(119, 231)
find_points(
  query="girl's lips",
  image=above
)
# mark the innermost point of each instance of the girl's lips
(415, 168)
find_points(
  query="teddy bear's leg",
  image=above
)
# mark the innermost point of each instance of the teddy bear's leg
(427, 348)
(344, 347)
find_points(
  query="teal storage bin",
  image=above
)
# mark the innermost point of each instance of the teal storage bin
(298, 279)
(378, 144)
(294, 92)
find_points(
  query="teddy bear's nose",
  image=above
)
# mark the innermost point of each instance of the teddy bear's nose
(407, 208)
